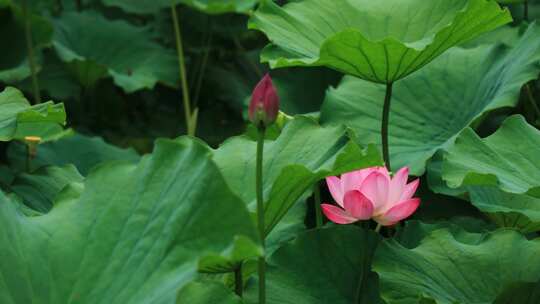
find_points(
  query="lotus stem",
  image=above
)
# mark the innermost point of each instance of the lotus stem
(317, 202)
(260, 211)
(526, 10)
(531, 100)
(238, 282)
(30, 49)
(190, 126)
(202, 69)
(384, 126)
(32, 143)
(378, 228)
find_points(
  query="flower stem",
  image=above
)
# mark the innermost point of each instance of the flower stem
(384, 125)
(238, 282)
(378, 228)
(191, 127)
(526, 10)
(260, 212)
(530, 97)
(30, 50)
(317, 202)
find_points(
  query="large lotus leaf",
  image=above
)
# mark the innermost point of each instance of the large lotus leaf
(380, 41)
(329, 265)
(520, 293)
(446, 269)
(55, 78)
(127, 52)
(509, 159)
(207, 6)
(415, 231)
(303, 154)
(520, 211)
(83, 151)
(40, 188)
(135, 235)
(19, 119)
(14, 64)
(206, 293)
(432, 106)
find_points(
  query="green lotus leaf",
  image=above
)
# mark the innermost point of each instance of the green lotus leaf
(428, 111)
(40, 188)
(329, 265)
(82, 151)
(520, 293)
(508, 159)
(206, 6)
(206, 293)
(303, 154)
(461, 228)
(446, 269)
(19, 119)
(56, 78)
(380, 41)
(519, 211)
(125, 52)
(135, 235)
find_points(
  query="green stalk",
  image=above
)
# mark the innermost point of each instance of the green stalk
(202, 70)
(530, 97)
(526, 10)
(260, 212)
(378, 228)
(183, 78)
(384, 125)
(317, 202)
(30, 49)
(238, 282)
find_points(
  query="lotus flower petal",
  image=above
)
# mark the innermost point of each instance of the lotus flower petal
(337, 215)
(358, 205)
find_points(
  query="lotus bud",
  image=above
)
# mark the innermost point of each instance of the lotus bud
(264, 105)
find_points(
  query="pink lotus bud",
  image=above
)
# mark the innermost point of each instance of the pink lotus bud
(371, 193)
(264, 105)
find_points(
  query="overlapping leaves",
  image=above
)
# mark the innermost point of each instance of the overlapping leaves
(135, 234)
(432, 106)
(19, 119)
(97, 47)
(303, 154)
(380, 41)
(330, 265)
(457, 267)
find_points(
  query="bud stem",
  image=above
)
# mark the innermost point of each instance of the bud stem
(384, 125)
(317, 202)
(30, 50)
(260, 211)
(238, 281)
(190, 125)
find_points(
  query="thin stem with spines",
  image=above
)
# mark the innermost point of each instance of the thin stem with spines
(260, 212)
(384, 125)
(317, 203)
(182, 69)
(30, 50)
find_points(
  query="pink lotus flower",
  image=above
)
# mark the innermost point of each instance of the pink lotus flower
(371, 193)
